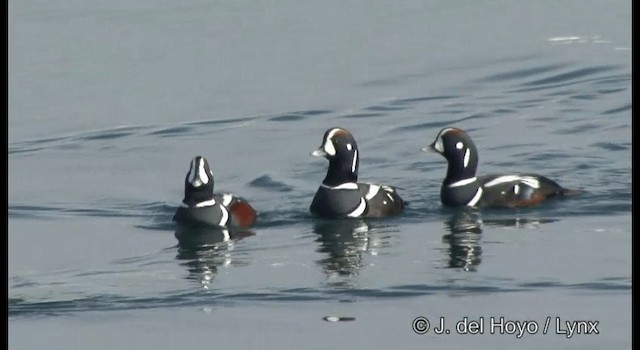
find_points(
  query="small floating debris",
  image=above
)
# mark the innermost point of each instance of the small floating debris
(338, 319)
(596, 39)
(567, 39)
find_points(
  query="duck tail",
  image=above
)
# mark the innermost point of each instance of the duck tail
(571, 191)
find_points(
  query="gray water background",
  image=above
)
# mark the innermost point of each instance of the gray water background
(108, 101)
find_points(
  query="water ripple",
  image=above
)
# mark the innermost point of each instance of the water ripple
(578, 129)
(299, 115)
(611, 146)
(624, 108)
(19, 307)
(522, 73)
(105, 136)
(172, 131)
(364, 115)
(414, 100)
(268, 183)
(441, 124)
(571, 76)
(528, 87)
(142, 210)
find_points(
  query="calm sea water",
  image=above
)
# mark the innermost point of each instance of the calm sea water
(108, 102)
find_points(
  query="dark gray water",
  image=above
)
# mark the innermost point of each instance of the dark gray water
(108, 102)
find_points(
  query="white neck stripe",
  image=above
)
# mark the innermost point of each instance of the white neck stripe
(344, 186)
(463, 182)
(355, 161)
(207, 203)
(467, 155)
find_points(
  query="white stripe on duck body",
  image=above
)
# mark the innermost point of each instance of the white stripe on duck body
(340, 194)
(201, 206)
(461, 186)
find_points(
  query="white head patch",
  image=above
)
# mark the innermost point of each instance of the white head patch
(328, 146)
(198, 174)
(459, 145)
(349, 147)
(439, 145)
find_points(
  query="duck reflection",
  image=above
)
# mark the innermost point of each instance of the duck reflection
(203, 250)
(463, 235)
(463, 239)
(345, 242)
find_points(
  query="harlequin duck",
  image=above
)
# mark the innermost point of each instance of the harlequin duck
(201, 206)
(340, 195)
(461, 186)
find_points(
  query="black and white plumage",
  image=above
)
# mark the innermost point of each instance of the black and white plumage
(202, 206)
(461, 186)
(340, 195)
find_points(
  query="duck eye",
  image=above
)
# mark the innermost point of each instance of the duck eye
(459, 145)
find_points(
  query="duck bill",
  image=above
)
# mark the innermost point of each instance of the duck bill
(319, 153)
(430, 148)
